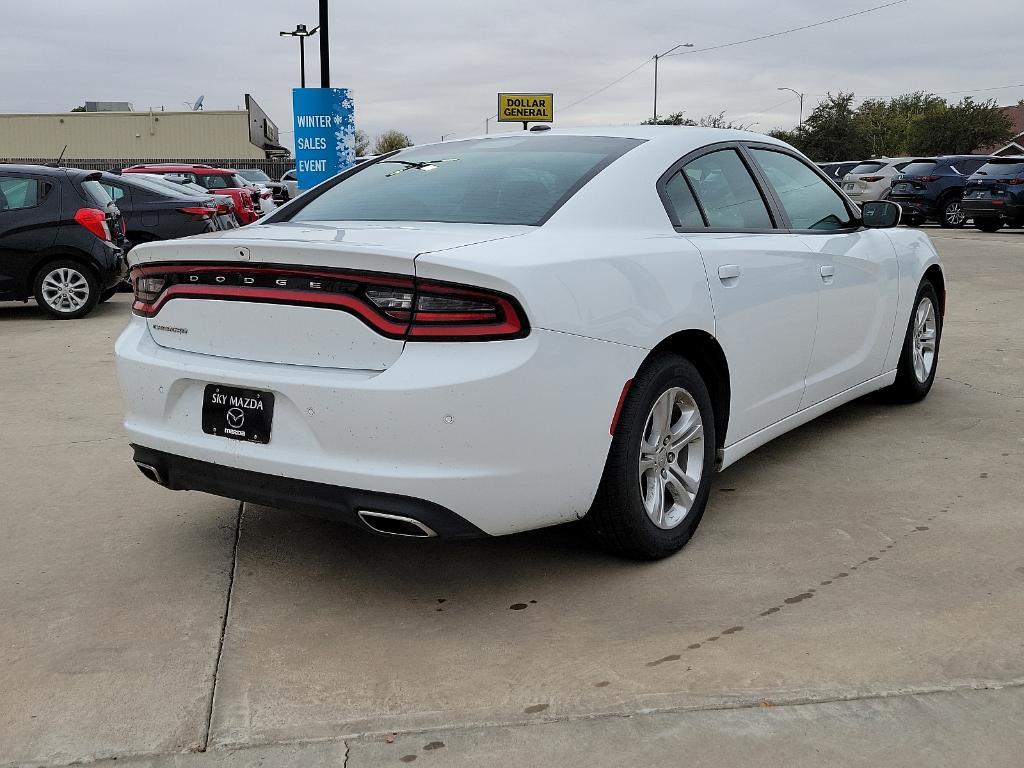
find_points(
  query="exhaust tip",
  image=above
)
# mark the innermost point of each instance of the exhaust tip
(150, 471)
(395, 525)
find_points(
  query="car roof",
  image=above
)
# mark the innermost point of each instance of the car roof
(678, 136)
(44, 170)
(177, 167)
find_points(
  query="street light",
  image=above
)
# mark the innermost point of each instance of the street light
(446, 135)
(302, 33)
(656, 57)
(801, 97)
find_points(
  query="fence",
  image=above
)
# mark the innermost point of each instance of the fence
(273, 168)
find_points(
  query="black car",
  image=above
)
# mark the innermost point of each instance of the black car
(995, 194)
(226, 217)
(837, 170)
(61, 239)
(933, 187)
(155, 212)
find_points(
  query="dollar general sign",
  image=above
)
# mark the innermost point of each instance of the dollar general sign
(526, 107)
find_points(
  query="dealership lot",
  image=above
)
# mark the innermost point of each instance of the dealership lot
(861, 570)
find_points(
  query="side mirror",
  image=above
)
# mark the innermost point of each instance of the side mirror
(881, 214)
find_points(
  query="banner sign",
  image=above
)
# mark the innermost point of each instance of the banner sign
(325, 134)
(526, 107)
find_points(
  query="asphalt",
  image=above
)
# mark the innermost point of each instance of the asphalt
(854, 596)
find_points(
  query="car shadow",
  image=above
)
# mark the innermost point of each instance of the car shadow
(15, 311)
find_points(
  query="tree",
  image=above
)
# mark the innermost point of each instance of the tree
(362, 142)
(885, 125)
(391, 140)
(707, 121)
(959, 129)
(830, 133)
(80, 108)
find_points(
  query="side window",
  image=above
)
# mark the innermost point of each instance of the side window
(116, 193)
(727, 192)
(684, 210)
(18, 193)
(807, 199)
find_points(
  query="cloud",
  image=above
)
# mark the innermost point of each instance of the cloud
(433, 68)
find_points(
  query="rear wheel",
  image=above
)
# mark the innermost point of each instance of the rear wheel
(658, 475)
(951, 214)
(919, 359)
(989, 224)
(66, 290)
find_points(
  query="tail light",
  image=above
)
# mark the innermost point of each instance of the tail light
(223, 209)
(1012, 182)
(94, 220)
(926, 179)
(871, 178)
(198, 210)
(396, 307)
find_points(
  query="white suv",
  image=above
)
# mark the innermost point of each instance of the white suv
(871, 179)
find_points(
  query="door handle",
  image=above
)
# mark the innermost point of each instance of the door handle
(729, 272)
(827, 272)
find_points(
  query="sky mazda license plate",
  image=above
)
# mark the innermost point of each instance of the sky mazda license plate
(238, 414)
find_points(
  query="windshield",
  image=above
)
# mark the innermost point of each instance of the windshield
(919, 168)
(164, 188)
(1014, 167)
(254, 175)
(868, 168)
(520, 180)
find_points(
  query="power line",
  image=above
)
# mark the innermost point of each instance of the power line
(606, 87)
(788, 31)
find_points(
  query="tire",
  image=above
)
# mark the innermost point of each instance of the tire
(910, 386)
(951, 214)
(619, 517)
(989, 224)
(108, 294)
(66, 290)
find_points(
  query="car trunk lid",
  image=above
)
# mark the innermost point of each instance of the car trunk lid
(315, 294)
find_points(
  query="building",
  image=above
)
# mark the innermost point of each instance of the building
(108, 136)
(1016, 145)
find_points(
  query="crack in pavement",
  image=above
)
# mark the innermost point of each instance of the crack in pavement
(980, 389)
(223, 630)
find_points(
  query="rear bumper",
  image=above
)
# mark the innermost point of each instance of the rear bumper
(506, 435)
(993, 209)
(915, 206)
(335, 503)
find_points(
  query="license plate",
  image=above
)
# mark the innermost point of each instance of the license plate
(902, 187)
(238, 414)
(851, 185)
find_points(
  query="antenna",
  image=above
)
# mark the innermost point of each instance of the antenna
(57, 164)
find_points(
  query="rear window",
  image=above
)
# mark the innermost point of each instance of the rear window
(1013, 167)
(254, 175)
(920, 168)
(868, 167)
(162, 188)
(520, 180)
(95, 192)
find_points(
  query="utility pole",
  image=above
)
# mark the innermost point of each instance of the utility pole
(656, 57)
(325, 48)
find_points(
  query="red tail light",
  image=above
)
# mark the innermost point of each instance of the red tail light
(198, 210)
(926, 179)
(223, 209)
(1011, 182)
(871, 178)
(95, 221)
(394, 306)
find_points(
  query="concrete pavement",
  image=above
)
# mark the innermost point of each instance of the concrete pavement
(870, 561)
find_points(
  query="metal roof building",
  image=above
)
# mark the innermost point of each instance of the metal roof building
(143, 135)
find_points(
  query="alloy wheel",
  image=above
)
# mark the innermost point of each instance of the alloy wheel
(671, 460)
(954, 213)
(65, 290)
(925, 339)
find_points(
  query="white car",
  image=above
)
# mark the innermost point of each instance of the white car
(491, 335)
(290, 186)
(871, 179)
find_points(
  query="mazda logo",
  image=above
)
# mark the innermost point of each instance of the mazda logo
(236, 418)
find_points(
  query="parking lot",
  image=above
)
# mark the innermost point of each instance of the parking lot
(861, 572)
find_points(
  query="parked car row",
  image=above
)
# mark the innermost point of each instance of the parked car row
(950, 190)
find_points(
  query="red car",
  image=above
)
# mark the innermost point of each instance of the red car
(220, 181)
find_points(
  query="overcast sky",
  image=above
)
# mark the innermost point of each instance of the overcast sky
(435, 67)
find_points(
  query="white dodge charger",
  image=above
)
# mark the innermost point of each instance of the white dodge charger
(502, 333)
